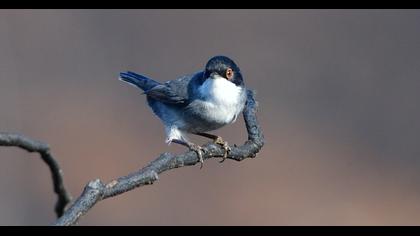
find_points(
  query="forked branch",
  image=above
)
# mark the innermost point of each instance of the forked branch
(96, 190)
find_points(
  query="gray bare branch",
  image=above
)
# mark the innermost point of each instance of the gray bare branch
(96, 191)
(30, 145)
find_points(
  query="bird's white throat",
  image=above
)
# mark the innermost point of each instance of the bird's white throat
(220, 91)
(222, 98)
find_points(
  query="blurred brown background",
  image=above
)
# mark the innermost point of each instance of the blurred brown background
(338, 94)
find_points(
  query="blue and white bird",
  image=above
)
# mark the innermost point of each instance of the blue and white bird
(197, 103)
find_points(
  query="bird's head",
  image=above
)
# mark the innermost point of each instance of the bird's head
(222, 67)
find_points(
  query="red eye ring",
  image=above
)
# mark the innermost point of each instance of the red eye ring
(229, 74)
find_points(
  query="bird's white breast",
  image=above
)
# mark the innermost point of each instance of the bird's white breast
(222, 99)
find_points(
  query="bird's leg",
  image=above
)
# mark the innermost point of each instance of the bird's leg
(217, 140)
(192, 146)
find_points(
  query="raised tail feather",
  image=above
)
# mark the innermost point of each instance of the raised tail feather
(137, 80)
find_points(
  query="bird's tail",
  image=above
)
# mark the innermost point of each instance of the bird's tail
(137, 80)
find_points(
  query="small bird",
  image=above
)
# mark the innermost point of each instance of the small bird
(196, 103)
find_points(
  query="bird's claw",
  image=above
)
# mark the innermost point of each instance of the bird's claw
(199, 150)
(225, 147)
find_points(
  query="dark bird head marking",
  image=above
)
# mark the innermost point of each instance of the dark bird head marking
(224, 67)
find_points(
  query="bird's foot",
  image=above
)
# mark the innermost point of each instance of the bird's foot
(224, 145)
(193, 147)
(199, 150)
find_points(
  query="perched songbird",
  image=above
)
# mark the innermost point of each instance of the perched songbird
(196, 103)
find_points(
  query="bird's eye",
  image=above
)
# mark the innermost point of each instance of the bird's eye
(229, 74)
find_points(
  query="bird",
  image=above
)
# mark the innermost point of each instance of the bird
(195, 103)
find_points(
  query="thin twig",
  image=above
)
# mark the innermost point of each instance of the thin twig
(30, 145)
(96, 191)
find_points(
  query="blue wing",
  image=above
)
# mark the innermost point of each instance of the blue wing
(165, 94)
(173, 91)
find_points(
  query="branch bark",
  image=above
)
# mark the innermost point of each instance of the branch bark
(30, 145)
(96, 190)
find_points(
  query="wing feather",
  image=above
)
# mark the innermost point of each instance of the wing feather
(173, 91)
